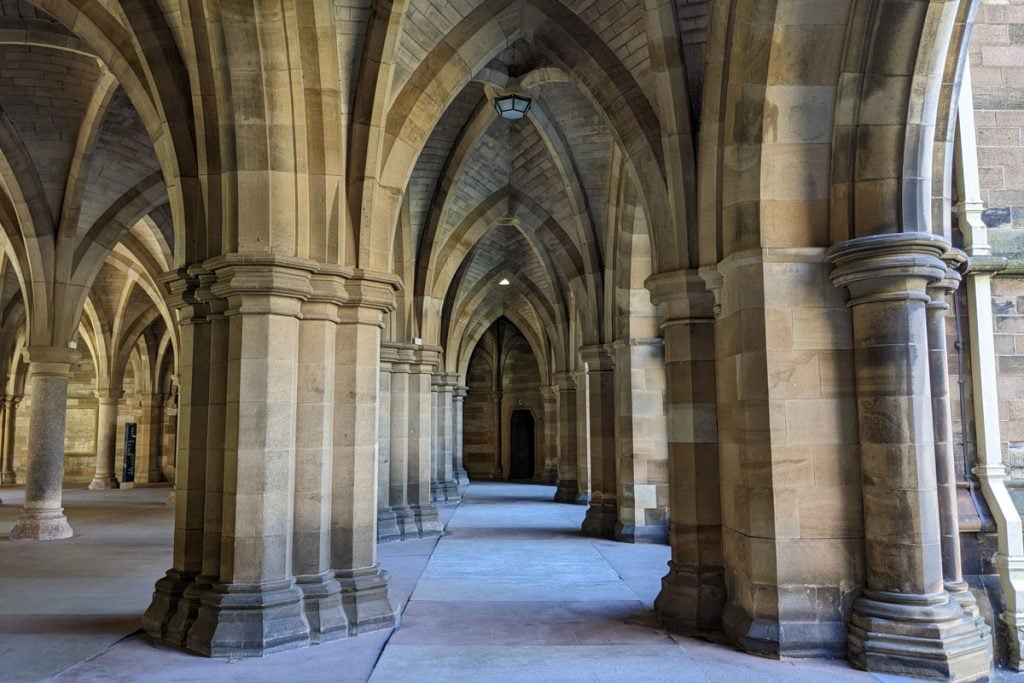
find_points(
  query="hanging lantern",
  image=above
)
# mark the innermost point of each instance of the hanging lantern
(512, 107)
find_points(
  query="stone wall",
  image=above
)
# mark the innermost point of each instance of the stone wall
(478, 443)
(997, 58)
(80, 432)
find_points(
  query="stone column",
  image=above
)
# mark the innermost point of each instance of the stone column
(106, 440)
(549, 400)
(254, 606)
(148, 468)
(641, 441)
(582, 426)
(387, 521)
(420, 436)
(42, 518)
(568, 486)
(177, 593)
(399, 477)
(497, 472)
(8, 477)
(354, 504)
(436, 458)
(211, 454)
(314, 464)
(445, 436)
(459, 471)
(904, 621)
(945, 472)
(603, 512)
(693, 592)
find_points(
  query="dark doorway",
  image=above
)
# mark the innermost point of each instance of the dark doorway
(520, 437)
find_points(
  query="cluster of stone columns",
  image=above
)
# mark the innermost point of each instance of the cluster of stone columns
(444, 487)
(405, 437)
(276, 531)
(908, 618)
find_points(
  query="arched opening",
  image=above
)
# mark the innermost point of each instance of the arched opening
(522, 445)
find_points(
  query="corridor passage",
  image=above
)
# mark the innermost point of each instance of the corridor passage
(512, 592)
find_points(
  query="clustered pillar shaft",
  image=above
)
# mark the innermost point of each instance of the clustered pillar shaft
(387, 520)
(602, 514)
(420, 438)
(459, 470)
(444, 486)
(398, 442)
(949, 517)
(275, 539)
(904, 620)
(568, 486)
(549, 399)
(693, 592)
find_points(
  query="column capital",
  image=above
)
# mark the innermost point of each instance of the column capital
(566, 381)
(954, 260)
(49, 360)
(460, 392)
(889, 267)
(683, 295)
(108, 395)
(598, 357)
(425, 358)
(261, 283)
(549, 393)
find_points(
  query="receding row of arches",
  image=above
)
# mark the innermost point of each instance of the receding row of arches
(309, 222)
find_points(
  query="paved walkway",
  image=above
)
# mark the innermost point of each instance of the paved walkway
(512, 592)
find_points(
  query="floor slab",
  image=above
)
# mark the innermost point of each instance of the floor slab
(511, 592)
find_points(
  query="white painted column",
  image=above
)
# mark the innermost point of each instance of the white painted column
(990, 470)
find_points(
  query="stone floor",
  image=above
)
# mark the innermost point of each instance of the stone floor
(511, 593)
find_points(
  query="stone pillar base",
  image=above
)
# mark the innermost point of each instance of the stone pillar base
(583, 498)
(566, 492)
(918, 635)
(166, 595)
(249, 620)
(9, 478)
(104, 483)
(37, 524)
(795, 637)
(461, 477)
(436, 492)
(451, 491)
(600, 520)
(644, 533)
(427, 521)
(364, 595)
(387, 526)
(961, 592)
(321, 601)
(185, 616)
(405, 520)
(691, 600)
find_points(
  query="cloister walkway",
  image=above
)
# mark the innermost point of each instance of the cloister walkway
(512, 592)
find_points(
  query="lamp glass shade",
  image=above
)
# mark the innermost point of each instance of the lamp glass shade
(512, 107)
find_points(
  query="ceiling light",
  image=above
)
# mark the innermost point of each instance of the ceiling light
(504, 282)
(512, 107)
